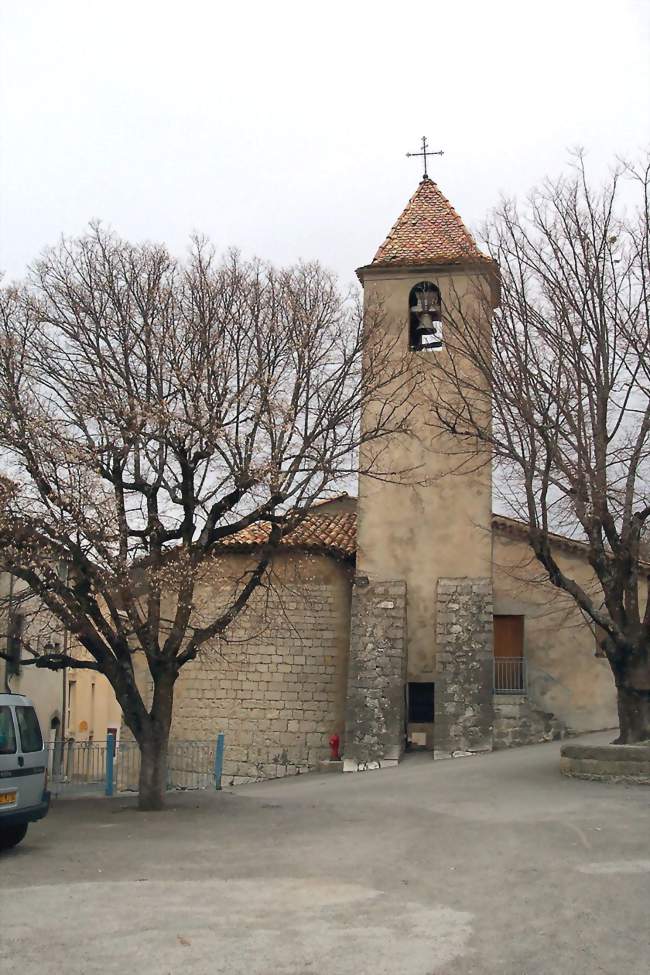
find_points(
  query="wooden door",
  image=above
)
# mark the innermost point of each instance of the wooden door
(508, 636)
(508, 654)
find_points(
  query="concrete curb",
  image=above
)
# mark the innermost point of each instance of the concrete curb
(607, 763)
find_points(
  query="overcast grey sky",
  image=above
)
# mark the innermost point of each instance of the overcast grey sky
(282, 127)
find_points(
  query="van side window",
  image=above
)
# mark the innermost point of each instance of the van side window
(29, 729)
(7, 734)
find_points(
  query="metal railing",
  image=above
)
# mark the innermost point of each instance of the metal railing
(106, 767)
(77, 767)
(509, 675)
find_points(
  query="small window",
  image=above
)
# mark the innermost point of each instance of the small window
(70, 714)
(421, 710)
(425, 323)
(7, 733)
(29, 729)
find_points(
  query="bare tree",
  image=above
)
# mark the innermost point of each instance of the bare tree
(567, 369)
(149, 409)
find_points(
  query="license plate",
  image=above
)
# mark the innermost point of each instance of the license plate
(6, 798)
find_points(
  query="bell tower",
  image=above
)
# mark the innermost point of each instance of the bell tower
(421, 635)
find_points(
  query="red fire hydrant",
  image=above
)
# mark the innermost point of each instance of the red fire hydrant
(335, 744)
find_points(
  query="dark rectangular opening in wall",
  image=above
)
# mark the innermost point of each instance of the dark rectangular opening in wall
(421, 709)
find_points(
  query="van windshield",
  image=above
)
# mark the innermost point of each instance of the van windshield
(7, 734)
(28, 726)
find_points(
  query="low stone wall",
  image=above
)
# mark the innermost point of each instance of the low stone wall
(518, 722)
(607, 763)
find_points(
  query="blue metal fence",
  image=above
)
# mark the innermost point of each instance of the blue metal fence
(110, 767)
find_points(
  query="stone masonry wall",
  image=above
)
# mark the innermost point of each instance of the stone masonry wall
(518, 722)
(276, 688)
(276, 685)
(464, 653)
(374, 730)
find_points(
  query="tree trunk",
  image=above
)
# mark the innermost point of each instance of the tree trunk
(153, 770)
(633, 715)
(154, 741)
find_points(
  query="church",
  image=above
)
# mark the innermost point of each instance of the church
(409, 617)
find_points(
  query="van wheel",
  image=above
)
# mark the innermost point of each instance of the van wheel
(12, 836)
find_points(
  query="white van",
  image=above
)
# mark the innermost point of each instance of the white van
(23, 769)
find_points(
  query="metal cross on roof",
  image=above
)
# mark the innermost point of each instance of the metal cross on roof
(425, 152)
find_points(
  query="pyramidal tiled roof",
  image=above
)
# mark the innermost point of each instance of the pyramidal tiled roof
(429, 231)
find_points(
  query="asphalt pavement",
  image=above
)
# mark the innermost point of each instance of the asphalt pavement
(490, 865)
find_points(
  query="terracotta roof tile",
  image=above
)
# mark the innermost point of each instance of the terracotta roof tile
(335, 497)
(429, 231)
(334, 534)
(512, 526)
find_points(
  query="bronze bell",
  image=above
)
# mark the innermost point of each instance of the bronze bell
(425, 322)
(425, 317)
(427, 329)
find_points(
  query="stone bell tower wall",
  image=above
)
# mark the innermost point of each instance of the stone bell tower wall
(440, 527)
(375, 710)
(464, 711)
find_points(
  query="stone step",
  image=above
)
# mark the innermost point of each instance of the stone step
(518, 722)
(509, 699)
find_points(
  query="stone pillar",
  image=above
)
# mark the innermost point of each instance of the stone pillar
(374, 726)
(464, 636)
